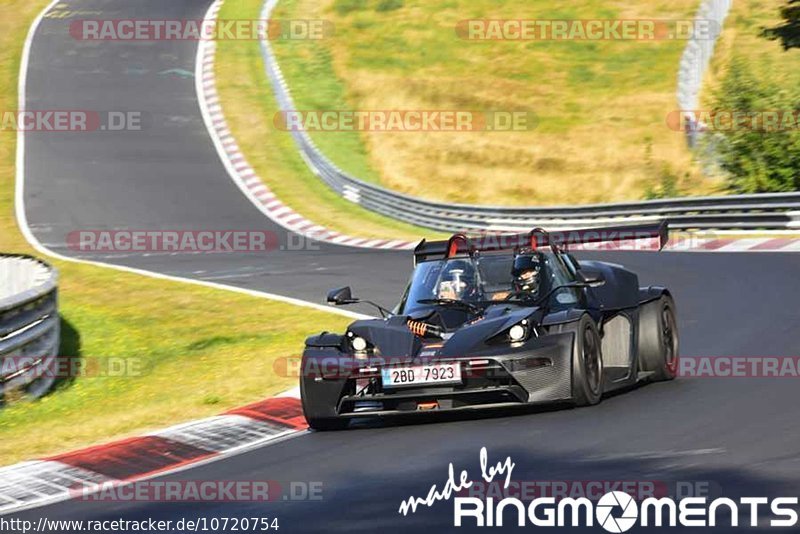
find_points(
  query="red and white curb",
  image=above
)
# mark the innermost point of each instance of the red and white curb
(243, 173)
(31, 484)
(700, 243)
(761, 244)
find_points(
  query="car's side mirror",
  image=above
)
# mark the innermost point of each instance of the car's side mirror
(591, 278)
(341, 296)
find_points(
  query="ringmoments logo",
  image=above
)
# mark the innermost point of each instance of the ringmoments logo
(617, 511)
(614, 511)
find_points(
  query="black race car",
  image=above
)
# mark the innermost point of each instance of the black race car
(490, 322)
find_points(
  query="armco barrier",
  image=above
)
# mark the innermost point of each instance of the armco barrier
(29, 325)
(780, 211)
(696, 59)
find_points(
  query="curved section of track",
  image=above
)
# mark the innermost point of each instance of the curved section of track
(738, 434)
(166, 176)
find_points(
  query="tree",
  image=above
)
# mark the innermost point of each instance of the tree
(788, 32)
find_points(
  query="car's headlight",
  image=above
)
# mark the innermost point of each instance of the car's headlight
(359, 343)
(360, 346)
(517, 332)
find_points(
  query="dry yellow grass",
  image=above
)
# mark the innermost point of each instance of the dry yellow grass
(602, 106)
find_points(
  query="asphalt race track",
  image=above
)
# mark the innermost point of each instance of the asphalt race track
(741, 436)
(166, 176)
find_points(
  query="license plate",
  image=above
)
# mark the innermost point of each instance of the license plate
(443, 373)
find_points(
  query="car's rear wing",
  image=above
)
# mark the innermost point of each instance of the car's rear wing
(463, 244)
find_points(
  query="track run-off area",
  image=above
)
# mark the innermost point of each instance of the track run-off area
(740, 435)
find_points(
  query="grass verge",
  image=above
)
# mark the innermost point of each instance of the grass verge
(601, 134)
(188, 351)
(742, 39)
(250, 107)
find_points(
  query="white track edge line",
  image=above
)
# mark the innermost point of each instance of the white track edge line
(22, 219)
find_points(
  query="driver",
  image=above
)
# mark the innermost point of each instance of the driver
(457, 282)
(527, 272)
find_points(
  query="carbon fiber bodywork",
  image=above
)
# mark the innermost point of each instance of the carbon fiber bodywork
(536, 371)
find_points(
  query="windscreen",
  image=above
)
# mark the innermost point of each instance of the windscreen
(465, 279)
(485, 278)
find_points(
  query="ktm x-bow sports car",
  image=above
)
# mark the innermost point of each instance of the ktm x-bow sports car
(490, 323)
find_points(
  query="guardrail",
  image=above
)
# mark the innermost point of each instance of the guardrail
(743, 212)
(29, 325)
(695, 61)
(698, 52)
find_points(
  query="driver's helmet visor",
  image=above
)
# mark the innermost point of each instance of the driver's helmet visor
(453, 286)
(526, 272)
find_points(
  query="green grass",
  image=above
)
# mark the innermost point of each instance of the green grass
(316, 87)
(601, 105)
(201, 351)
(742, 39)
(250, 108)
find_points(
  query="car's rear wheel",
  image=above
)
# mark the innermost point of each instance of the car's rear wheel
(587, 364)
(327, 423)
(658, 339)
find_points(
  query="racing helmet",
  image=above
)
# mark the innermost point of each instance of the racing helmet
(526, 272)
(457, 280)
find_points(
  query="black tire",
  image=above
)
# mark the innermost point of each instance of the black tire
(587, 363)
(328, 423)
(658, 339)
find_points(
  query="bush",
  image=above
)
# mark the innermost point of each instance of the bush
(789, 31)
(757, 161)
